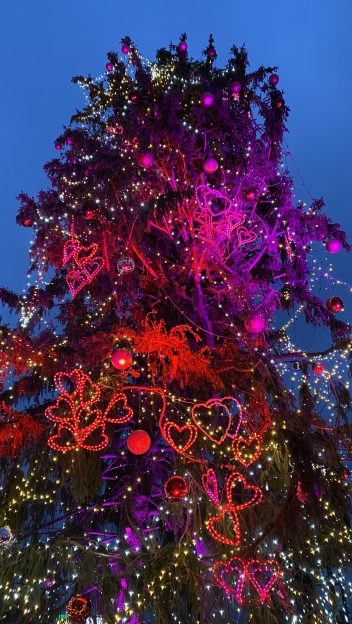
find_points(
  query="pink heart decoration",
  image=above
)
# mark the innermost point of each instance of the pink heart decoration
(235, 571)
(71, 246)
(263, 575)
(210, 485)
(63, 411)
(245, 236)
(76, 280)
(84, 254)
(92, 267)
(204, 415)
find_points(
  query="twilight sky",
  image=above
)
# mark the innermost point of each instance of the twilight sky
(44, 43)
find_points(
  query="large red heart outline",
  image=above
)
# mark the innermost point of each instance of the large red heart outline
(198, 418)
(268, 573)
(218, 533)
(245, 236)
(115, 401)
(230, 568)
(167, 429)
(247, 450)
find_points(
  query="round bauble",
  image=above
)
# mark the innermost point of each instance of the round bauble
(58, 146)
(210, 165)
(207, 99)
(125, 48)
(138, 442)
(183, 47)
(146, 160)
(78, 608)
(109, 67)
(346, 474)
(335, 305)
(236, 87)
(255, 324)
(125, 265)
(274, 79)
(27, 222)
(211, 53)
(250, 194)
(69, 140)
(121, 359)
(133, 96)
(333, 246)
(176, 487)
(318, 368)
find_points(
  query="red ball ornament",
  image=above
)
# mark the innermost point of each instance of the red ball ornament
(207, 99)
(78, 608)
(250, 194)
(255, 324)
(176, 487)
(210, 165)
(335, 304)
(138, 442)
(146, 160)
(121, 359)
(125, 48)
(274, 79)
(318, 368)
(333, 246)
(133, 96)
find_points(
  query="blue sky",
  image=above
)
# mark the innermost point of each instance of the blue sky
(44, 43)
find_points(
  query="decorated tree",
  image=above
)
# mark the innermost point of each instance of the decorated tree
(168, 453)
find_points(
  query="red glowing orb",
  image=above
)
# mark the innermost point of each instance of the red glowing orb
(138, 442)
(176, 487)
(255, 324)
(335, 304)
(121, 359)
(318, 368)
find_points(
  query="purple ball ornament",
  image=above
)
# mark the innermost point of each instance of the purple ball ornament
(333, 246)
(207, 99)
(69, 141)
(125, 48)
(274, 79)
(210, 165)
(146, 160)
(236, 87)
(58, 146)
(255, 324)
(109, 67)
(182, 46)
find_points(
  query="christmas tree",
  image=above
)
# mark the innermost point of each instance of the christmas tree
(168, 453)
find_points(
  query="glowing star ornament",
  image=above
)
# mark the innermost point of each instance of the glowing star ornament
(121, 359)
(176, 487)
(79, 423)
(335, 305)
(138, 442)
(78, 608)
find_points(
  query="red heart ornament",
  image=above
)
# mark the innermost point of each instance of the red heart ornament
(191, 431)
(64, 440)
(64, 380)
(210, 485)
(247, 450)
(92, 267)
(263, 575)
(119, 400)
(85, 254)
(89, 392)
(218, 533)
(237, 482)
(210, 406)
(71, 247)
(76, 280)
(235, 570)
(62, 411)
(245, 236)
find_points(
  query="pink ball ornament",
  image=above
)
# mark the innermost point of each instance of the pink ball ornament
(236, 87)
(125, 48)
(121, 359)
(333, 246)
(318, 368)
(210, 165)
(211, 52)
(207, 99)
(58, 146)
(69, 141)
(250, 194)
(183, 47)
(274, 79)
(109, 67)
(255, 324)
(138, 442)
(146, 160)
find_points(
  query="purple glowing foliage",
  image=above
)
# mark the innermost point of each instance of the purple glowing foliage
(132, 539)
(200, 548)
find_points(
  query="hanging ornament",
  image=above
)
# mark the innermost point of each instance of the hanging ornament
(69, 140)
(138, 442)
(78, 608)
(207, 99)
(335, 304)
(109, 67)
(89, 214)
(236, 88)
(255, 324)
(274, 79)
(146, 160)
(176, 487)
(250, 194)
(210, 165)
(125, 265)
(333, 246)
(58, 146)
(318, 368)
(211, 53)
(182, 46)
(121, 359)
(125, 48)
(6, 537)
